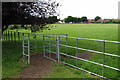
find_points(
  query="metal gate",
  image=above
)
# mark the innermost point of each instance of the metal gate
(67, 50)
(40, 43)
(51, 47)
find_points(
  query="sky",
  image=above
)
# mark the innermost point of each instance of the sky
(107, 9)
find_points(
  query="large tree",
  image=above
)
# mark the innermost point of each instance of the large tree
(24, 13)
(84, 19)
(97, 18)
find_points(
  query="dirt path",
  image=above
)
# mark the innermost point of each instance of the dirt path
(40, 67)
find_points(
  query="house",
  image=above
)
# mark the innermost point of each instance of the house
(90, 21)
(99, 21)
(106, 20)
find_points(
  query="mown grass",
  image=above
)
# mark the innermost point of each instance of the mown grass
(93, 31)
(63, 71)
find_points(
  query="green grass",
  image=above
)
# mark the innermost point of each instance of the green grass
(93, 31)
(10, 60)
(63, 71)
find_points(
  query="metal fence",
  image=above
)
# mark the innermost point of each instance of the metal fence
(65, 49)
(30, 43)
(75, 59)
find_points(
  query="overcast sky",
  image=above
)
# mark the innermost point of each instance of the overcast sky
(90, 8)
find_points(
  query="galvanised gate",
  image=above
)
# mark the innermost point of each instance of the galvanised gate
(68, 50)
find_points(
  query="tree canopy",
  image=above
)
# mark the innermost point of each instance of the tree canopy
(97, 18)
(84, 19)
(28, 13)
(73, 19)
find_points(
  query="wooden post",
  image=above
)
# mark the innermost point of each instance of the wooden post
(15, 36)
(18, 36)
(11, 37)
(8, 36)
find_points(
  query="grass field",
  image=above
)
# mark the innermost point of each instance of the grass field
(93, 31)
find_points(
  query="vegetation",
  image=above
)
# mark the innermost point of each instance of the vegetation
(97, 18)
(94, 31)
(11, 60)
(28, 13)
(84, 19)
(63, 71)
(75, 19)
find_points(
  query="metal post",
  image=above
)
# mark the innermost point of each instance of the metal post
(23, 44)
(76, 51)
(66, 44)
(103, 58)
(28, 48)
(58, 48)
(49, 48)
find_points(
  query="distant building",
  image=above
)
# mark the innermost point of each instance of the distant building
(99, 21)
(90, 21)
(104, 21)
(107, 20)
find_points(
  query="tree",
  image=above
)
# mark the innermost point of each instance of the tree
(84, 19)
(52, 19)
(97, 18)
(72, 19)
(115, 21)
(69, 19)
(24, 13)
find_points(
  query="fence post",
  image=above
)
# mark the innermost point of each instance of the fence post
(35, 40)
(66, 43)
(43, 45)
(18, 36)
(103, 58)
(15, 36)
(58, 48)
(76, 51)
(23, 43)
(8, 36)
(49, 47)
(28, 48)
(11, 36)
